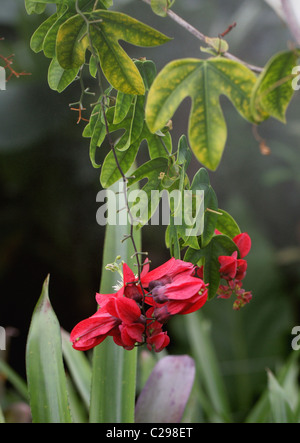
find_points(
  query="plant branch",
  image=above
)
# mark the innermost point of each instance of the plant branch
(291, 20)
(202, 37)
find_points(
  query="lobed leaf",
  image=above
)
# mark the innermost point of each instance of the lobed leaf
(107, 29)
(204, 81)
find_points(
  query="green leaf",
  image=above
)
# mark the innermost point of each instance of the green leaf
(219, 45)
(160, 7)
(44, 365)
(219, 245)
(96, 130)
(2, 419)
(201, 183)
(49, 44)
(32, 7)
(58, 78)
(153, 171)
(280, 407)
(123, 104)
(226, 224)
(79, 367)
(37, 39)
(273, 91)
(208, 368)
(72, 43)
(204, 81)
(108, 28)
(110, 172)
(14, 379)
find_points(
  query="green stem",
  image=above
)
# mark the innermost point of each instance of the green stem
(114, 369)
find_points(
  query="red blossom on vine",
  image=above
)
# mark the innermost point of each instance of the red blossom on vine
(137, 312)
(233, 270)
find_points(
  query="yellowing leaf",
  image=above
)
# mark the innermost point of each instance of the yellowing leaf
(273, 91)
(204, 81)
(106, 29)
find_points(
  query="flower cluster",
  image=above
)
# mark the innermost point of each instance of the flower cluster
(137, 313)
(233, 270)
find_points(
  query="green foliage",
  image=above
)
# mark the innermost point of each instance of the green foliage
(204, 81)
(160, 7)
(136, 109)
(45, 371)
(273, 92)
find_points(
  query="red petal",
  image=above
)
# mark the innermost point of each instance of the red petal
(228, 266)
(128, 275)
(171, 268)
(183, 288)
(125, 309)
(94, 328)
(243, 242)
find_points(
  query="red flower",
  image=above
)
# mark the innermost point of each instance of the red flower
(232, 267)
(234, 270)
(243, 242)
(174, 290)
(119, 317)
(156, 339)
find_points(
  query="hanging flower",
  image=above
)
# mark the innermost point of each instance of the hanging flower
(174, 289)
(119, 317)
(138, 311)
(233, 270)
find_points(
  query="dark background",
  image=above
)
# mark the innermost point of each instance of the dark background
(48, 191)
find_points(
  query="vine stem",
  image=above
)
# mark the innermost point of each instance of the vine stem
(113, 149)
(202, 37)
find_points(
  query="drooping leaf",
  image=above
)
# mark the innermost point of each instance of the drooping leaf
(164, 397)
(59, 78)
(37, 39)
(110, 172)
(273, 91)
(44, 365)
(107, 29)
(49, 44)
(123, 104)
(204, 81)
(72, 42)
(96, 131)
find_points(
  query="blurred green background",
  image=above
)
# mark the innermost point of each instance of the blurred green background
(48, 193)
